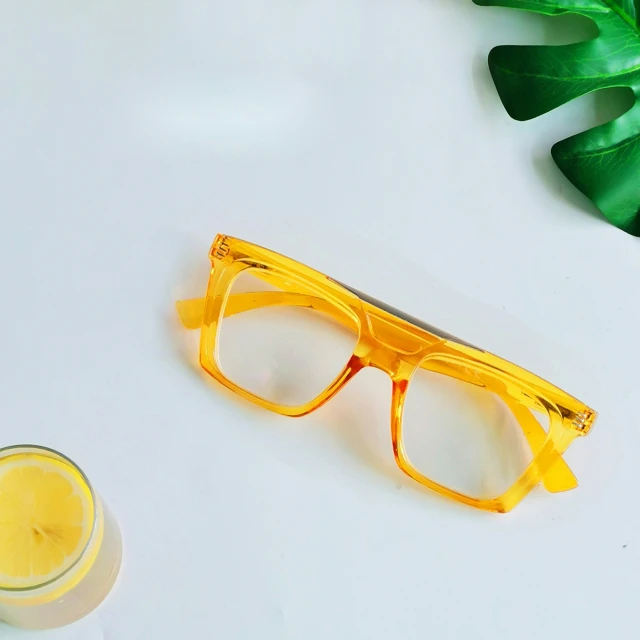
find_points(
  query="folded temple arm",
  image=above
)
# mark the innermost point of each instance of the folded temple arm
(558, 477)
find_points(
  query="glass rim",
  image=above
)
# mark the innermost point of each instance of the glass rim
(47, 450)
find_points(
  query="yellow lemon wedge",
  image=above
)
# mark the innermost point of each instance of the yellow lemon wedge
(46, 518)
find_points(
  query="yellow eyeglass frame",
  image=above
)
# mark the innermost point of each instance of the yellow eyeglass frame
(397, 344)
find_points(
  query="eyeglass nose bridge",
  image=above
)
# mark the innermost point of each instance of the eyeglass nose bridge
(387, 347)
(385, 358)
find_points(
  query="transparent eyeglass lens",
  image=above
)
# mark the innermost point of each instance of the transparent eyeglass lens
(274, 344)
(463, 437)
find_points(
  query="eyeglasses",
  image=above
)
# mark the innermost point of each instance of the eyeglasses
(465, 423)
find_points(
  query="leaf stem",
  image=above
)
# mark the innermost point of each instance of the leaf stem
(614, 7)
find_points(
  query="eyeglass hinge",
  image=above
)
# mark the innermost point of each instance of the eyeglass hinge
(220, 248)
(583, 421)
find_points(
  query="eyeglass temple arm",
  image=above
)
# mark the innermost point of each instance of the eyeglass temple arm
(558, 477)
(191, 312)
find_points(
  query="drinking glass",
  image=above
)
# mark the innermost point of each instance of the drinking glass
(60, 547)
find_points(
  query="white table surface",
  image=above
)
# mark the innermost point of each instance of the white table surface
(365, 138)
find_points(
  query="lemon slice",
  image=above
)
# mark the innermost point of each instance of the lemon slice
(46, 518)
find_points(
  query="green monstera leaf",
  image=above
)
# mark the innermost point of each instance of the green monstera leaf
(604, 162)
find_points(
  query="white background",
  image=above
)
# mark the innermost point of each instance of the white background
(365, 138)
